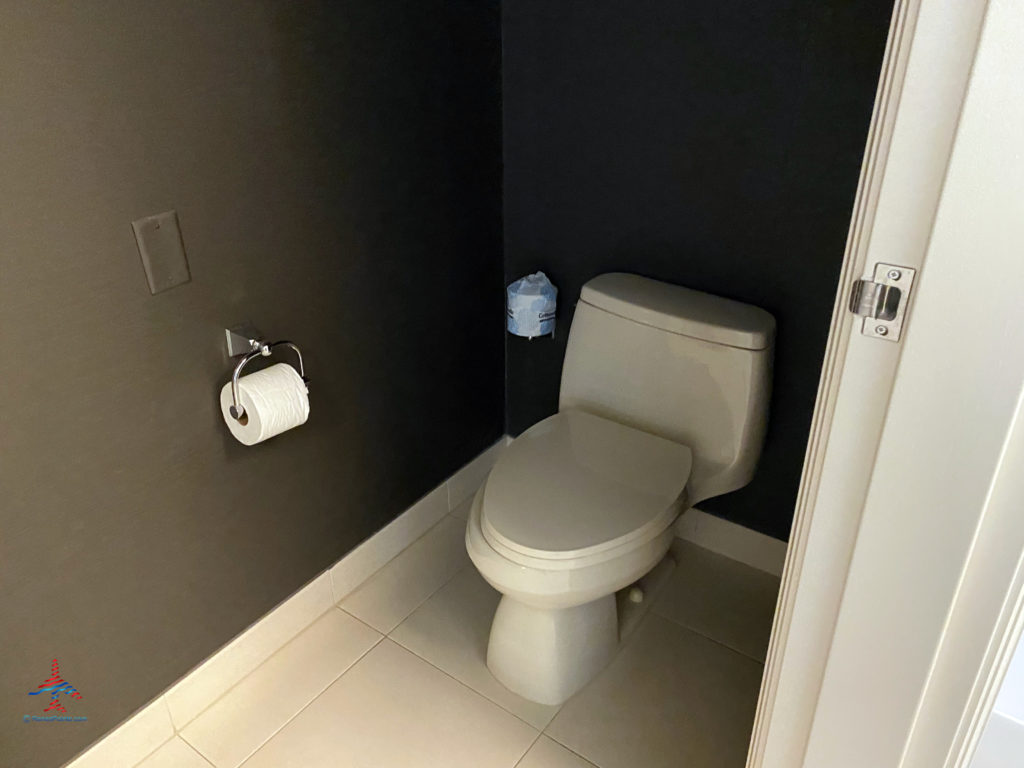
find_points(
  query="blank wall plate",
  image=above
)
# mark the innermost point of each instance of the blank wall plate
(162, 251)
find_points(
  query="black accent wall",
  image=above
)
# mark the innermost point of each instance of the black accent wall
(714, 145)
(336, 169)
(337, 172)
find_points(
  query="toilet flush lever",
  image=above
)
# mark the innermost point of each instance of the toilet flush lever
(882, 301)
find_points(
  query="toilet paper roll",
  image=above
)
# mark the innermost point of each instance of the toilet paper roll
(275, 400)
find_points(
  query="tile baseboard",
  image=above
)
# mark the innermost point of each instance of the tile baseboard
(221, 671)
(132, 741)
(374, 553)
(732, 540)
(467, 480)
(152, 726)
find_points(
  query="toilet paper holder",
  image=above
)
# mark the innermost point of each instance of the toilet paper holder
(246, 342)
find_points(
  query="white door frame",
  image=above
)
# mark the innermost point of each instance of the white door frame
(921, 92)
(931, 584)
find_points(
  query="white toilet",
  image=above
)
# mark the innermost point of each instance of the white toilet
(664, 403)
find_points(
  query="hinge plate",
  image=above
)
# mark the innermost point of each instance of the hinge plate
(882, 301)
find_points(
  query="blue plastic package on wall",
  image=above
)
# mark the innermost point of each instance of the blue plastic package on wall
(530, 305)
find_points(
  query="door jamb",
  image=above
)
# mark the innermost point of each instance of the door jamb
(921, 89)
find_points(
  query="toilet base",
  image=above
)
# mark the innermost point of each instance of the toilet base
(547, 654)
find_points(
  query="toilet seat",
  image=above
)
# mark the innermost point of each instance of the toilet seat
(577, 489)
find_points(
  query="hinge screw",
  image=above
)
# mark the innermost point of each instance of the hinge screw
(895, 274)
(881, 330)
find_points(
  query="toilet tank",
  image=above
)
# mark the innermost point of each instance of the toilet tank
(678, 363)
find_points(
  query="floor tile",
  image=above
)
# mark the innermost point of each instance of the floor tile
(251, 712)
(131, 741)
(215, 676)
(394, 709)
(450, 631)
(400, 586)
(670, 698)
(550, 754)
(721, 598)
(174, 754)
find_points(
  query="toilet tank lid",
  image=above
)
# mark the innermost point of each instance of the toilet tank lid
(681, 310)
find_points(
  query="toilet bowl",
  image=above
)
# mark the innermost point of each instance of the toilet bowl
(663, 403)
(577, 508)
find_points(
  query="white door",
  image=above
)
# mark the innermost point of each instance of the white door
(901, 592)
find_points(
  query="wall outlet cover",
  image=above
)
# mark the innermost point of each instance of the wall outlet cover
(162, 251)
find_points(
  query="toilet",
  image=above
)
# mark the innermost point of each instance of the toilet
(663, 403)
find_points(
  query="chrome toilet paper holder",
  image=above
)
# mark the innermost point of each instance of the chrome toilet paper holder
(245, 341)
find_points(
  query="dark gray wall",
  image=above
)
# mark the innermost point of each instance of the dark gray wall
(336, 170)
(714, 145)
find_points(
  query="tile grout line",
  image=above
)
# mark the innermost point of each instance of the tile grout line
(238, 682)
(424, 600)
(468, 687)
(381, 639)
(697, 632)
(397, 555)
(201, 755)
(388, 635)
(319, 693)
(419, 604)
(532, 745)
(622, 647)
(446, 484)
(194, 717)
(383, 636)
(567, 748)
(308, 704)
(247, 675)
(177, 731)
(359, 620)
(439, 586)
(161, 746)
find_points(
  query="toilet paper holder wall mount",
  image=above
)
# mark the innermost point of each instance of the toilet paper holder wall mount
(246, 342)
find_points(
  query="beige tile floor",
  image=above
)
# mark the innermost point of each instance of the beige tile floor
(395, 677)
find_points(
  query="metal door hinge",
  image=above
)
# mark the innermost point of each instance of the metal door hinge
(882, 301)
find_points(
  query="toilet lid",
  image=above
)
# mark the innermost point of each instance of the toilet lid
(576, 484)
